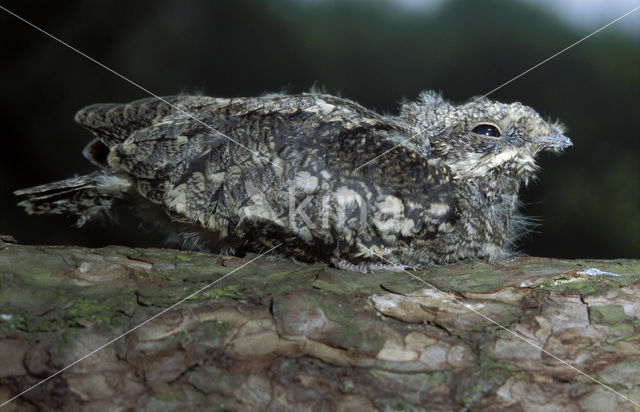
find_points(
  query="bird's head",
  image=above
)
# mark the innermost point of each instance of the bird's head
(483, 138)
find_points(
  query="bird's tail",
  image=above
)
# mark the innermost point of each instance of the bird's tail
(83, 196)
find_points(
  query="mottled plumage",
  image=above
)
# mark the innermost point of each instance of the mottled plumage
(324, 176)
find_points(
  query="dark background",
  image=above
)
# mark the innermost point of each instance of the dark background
(588, 199)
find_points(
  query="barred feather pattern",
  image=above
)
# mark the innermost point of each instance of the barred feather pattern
(327, 178)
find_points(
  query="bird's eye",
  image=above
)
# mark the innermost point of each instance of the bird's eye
(487, 130)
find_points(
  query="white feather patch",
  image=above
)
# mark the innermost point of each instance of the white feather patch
(306, 182)
(110, 184)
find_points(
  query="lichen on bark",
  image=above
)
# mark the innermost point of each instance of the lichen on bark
(289, 336)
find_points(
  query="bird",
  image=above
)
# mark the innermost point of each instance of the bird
(322, 177)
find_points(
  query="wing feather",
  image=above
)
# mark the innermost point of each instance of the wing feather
(186, 164)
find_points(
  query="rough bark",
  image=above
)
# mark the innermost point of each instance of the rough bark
(290, 336)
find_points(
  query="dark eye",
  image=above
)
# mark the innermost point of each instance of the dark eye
(487, 130)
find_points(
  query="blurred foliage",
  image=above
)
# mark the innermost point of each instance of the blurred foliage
(588, 200)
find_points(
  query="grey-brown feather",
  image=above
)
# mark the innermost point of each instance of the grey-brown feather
(444, 195)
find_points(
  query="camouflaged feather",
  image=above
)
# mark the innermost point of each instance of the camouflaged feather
(324, 176)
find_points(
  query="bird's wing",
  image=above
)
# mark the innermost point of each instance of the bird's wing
(270, 132)
(114, 122)
(197, 166)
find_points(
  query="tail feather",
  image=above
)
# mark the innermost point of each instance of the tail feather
(83, 196)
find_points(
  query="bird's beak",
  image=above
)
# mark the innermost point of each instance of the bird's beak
(554, 141)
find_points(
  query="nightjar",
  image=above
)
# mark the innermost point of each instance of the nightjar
(323, 176)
